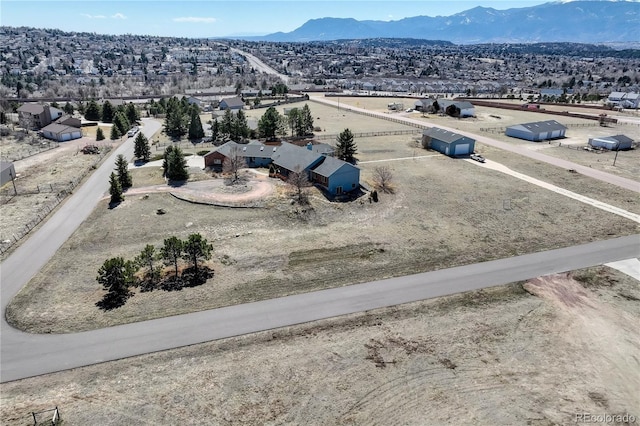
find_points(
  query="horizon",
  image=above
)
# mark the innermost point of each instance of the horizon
(220, 19)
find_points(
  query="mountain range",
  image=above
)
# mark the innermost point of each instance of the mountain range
(584, 21)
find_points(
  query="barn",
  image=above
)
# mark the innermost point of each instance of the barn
(538, 131)
(60, 132)
(448, 143)
(613, 143)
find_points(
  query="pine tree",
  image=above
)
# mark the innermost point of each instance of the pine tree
(107, 112)
(115, 189)
(122, 168)
(346, 149)
(307, 120)
(196, 249)
(121, 122)
(269, 123)
(132, 113)
(195, 126)
(115, 133)
(171, 252)
(99, 134)
(92, 112)
(176, 165)
(141, 148)
(116, 276)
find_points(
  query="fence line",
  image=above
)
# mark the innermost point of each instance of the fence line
(31, 153)
(47, 208)
(370, 134)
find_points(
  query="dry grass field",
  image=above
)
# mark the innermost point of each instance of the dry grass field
(502, 356)
(444, 213)
(535, 354)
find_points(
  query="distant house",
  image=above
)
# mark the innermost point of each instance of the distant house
(60, 132)
(450, 107)
(36, 116)
(624, 99)
(448, 143)
(613, 143)
(7, 172)
(335, 177)
(231, 103)
(537, 131)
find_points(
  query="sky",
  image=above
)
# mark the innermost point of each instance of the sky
(218, 18)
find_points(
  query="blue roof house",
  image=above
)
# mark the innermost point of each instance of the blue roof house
(336, 176)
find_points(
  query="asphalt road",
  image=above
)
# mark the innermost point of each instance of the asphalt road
(24, 355)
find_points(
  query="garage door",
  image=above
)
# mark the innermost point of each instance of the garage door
(77, 135)
(462, 149)
(555, 134)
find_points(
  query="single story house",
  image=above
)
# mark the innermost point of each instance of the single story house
(537, 131)
(60, 132)
(255, 154)
(448, 143)
(231, 103)
(7, 172)
(334, 176)
(624, 99)
(613, 143)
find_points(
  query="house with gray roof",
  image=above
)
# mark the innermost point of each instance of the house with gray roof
(61, 132)
(334, 176)
(231, 103)
(537, 131)
(613, 143)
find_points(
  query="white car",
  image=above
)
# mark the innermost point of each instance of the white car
(132, 132)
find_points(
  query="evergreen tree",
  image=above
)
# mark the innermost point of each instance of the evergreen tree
(196, 249)
(240, 128)
(141, 148)
(121, 122)
(99, 134)
(195, 127)
(176, 120)
(132, 113)
(226, 126)
(165, 160)
(116, 276)
(115, 189)
(115, 133)
(176, 165)
(215, 130)
(307, 120)
(122, 169)
(269, 123)
(171, 252)
(107, 112)
(146, 259)
(68, 108)
(92, 111)
(346, 149)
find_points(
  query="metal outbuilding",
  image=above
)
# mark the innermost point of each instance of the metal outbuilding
(613, 143)
(448, 143)
(537, 131)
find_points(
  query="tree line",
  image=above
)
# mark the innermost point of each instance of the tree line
(118, 276)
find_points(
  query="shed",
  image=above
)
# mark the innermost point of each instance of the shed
(537, 131)
(7, 172)
(613, 143)
(61, 133)
(448, 143)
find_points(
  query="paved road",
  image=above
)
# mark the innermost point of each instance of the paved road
(568, 165)
(25, 355)
(260, 66)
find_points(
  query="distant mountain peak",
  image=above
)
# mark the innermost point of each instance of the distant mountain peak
(580, 21)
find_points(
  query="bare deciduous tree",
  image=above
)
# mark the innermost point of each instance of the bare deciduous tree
(383, 179)
(299, 180)
(233, 163)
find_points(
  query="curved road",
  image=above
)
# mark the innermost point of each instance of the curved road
(24, 355)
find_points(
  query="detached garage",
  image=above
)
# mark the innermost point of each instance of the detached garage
(61, 133)
(538, 131)
(448, 143)
(613, 143)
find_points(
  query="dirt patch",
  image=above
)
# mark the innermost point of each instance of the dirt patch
(494, 357)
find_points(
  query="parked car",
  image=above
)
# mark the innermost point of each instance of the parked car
(133, 131)
(478, 157)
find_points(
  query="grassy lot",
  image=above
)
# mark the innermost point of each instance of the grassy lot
(500, 356)
(445, 212)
